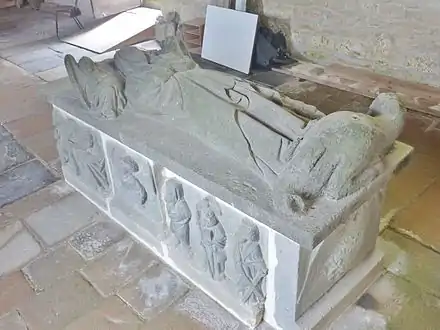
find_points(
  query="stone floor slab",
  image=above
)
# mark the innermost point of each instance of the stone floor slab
(55, 308)
(34, 202)
(421, 172)
(22, 101)
(358, 318)
(12, 321)
(8, 229)
(199, 307)
(61, 219)
(23, 180)
(420, 219)
(174, 320)
(154, 292)
(14, 291)
(95, 240)
(19, 249)
(37, 61)
(11, 152)
(112, 314)
(30, 125)
(42, 145)
(52, 267)
(404, 305)
(121, 264)
(407, 258)
(14, 75)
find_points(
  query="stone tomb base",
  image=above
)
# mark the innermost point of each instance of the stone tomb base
(224, 244)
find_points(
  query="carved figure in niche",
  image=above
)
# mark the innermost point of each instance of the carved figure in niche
(251, 266)
(100, 86)
(82, 152)
(213, 237)
(166, 30)
(133, 190)
(89, 155)
(178, 212)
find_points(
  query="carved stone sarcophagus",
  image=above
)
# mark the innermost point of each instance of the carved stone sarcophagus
(266, 204)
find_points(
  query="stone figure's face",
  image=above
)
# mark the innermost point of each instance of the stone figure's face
(128, 165)
(85, 64)
(211, 219)
(254, 234)
(250, 234)
(173, 192)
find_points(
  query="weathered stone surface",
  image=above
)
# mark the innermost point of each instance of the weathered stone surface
(298, 159)
(379, 38)
(426, 211)
(112, 314)
(61, 219)
(407, 258)
(404, 305)
(404, 188)
(14, 291)
(122, 263)
(11, 152)
(136, 198)
(106, 102)
(22, 181)
(12, 321)
(201, 308)
(154, 292)
(18, 249)
(340, 252)
(55, 308)
(95, 240)
(82, 157)
(243, 187)
(52, 267)
(175, 320)
(26, 206)
(30, 125)
(359, 318)
(42, 145)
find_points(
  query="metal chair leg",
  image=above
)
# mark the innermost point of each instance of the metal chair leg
(78, 23)
(56, 25)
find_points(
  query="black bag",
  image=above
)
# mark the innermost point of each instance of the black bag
(270, 49)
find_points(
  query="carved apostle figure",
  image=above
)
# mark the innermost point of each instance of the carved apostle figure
(133, 191)
(213, 238)
(251, 267)
(178, 212)
(89, 155)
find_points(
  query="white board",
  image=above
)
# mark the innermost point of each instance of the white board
(229, 37)
(116, 30)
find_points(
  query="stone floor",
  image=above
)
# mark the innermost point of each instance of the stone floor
(64, 265)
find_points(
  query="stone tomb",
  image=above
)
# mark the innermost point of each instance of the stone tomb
(262, 231)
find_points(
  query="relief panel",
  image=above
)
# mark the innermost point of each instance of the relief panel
(82, 157)
(217, 246)
(134, 201)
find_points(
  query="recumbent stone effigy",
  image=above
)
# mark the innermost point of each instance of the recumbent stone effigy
(263, 202)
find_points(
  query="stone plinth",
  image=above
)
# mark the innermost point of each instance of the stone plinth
(214, 221)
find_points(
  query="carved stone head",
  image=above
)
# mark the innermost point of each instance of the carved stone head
(173, 191)
(128, 165)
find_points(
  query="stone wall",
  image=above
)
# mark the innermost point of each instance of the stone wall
(397, 38)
